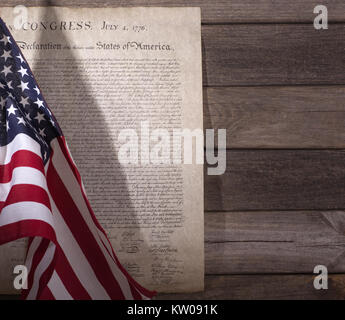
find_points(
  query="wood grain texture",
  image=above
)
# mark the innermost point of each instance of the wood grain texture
(278, 180)
(260, 287)
(243, 247)
(264, 287)
(297, 117)
(220, 11)
(285, 54)
(274, 242)
(272, 54)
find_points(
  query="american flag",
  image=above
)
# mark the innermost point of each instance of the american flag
(42, 197)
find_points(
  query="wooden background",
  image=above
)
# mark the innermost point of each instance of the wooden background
(278, 86)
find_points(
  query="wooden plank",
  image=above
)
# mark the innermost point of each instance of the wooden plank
(274, 242)
(272, 54)
(221, 11)
(260, 287)
(278, 117)
(278, 180)
(265, 287)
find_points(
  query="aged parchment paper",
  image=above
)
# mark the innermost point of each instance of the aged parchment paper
(105, 70)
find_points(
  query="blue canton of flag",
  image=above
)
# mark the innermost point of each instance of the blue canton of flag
(23, 108)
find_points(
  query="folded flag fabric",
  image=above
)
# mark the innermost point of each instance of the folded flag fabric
(42, 197)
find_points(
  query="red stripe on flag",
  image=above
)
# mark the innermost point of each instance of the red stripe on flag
(26, 228)
(47, 294)
(82, 234)
(135, 293)
(47, 274)
(39, 253)
(22, 158)
(64, 149)
(69, 278)
(26, 192)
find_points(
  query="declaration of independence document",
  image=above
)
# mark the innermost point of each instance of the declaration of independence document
(105, 70)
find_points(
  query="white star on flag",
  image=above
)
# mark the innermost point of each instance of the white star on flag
(37, 90)
(21, 121)
(23, 71)
(6, 70)
(24, 85)
(39, 117)
(21, 58)
(10, 95)
(9, 84)
(11, 110)
(42, 132)
(5, 40)
(6, 55)
(39, 102)
(24, 101)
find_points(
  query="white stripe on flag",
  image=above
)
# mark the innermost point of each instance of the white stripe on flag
(41, 268)
(76, 257)
(21, 142)
(23, 175)
(31, 252)
(64, 171)
(106, 242)
(26, 210)
(58, 289)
